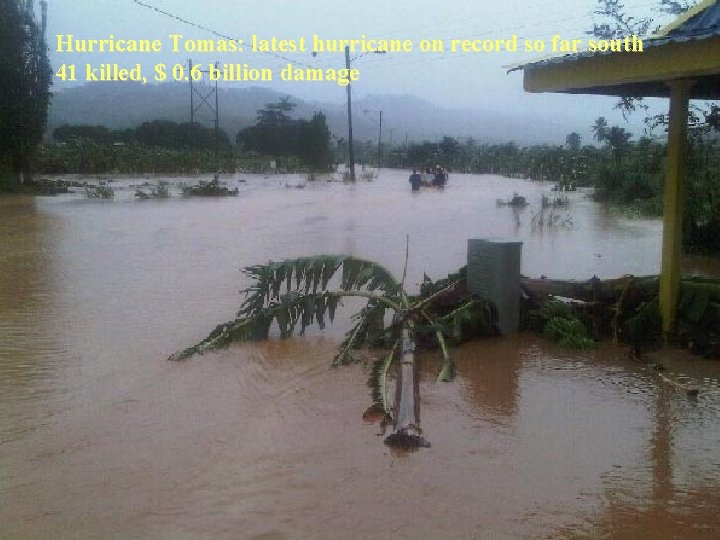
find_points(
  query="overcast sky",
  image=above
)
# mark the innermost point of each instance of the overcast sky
(468, 80)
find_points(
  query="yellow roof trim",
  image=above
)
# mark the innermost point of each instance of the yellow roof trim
(682, 19)
(687, 60)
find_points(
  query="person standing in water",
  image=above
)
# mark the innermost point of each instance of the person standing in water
(440, 177)
(415, 180)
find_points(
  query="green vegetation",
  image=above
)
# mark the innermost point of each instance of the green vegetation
(624, 172)
(563, 327)
(213, 188)
(699, 315)
(625, 309)
(639, 186)
(627, 173)
(634, 178)
(153, 147)
(163, 146)
(158, 133)
(540, 162)
(297, 293)
(25, 80)
(102, 191)
(85, 156)
(276, 134)
(161, 191)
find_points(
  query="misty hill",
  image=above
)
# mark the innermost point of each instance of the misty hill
(120, 105)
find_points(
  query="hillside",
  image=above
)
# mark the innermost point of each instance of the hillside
(120, 105)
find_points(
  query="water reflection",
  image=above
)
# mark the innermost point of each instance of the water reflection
(29, 333)
(659, 499)
(492, 370)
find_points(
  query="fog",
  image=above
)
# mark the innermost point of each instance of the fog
(459, 80)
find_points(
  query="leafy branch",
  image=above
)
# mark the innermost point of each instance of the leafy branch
(295, 294)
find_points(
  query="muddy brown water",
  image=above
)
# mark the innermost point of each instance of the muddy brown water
(100, 437)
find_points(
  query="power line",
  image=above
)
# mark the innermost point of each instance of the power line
(182, 20)
(215, 32)
(588, 15)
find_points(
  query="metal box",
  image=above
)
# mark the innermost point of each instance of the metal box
(493, 273)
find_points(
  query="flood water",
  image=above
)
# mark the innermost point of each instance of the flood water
(101, 437)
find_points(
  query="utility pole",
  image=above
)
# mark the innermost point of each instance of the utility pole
(351, 152)
(217, 122)
(192, 106)
(379, 144)
(205, 102)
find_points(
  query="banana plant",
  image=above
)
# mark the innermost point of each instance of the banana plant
(295, 294)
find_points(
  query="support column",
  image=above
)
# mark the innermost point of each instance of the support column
(673, 202)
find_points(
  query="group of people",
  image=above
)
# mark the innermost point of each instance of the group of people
(439, 178)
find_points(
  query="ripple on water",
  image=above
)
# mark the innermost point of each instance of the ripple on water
(100, 436)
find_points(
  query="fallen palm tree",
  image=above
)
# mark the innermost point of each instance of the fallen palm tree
(627, 308)
(294, 294)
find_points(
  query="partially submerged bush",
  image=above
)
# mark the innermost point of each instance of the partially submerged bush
(563, 327)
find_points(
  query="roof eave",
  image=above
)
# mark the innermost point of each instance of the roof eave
(628, 73)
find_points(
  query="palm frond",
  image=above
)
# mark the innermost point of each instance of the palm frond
(241, 329)
(377, 381)
(360, 273)
(429, 287)
(447, 371)
(272, 298)
(293, 311)
(472, 318)
(369, 330)
(310, 275)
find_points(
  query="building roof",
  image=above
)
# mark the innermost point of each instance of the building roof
(701, 20)
(689, 47)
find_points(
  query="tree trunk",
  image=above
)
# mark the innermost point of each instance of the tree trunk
(27, 172)
(589, 290)
(406, 415)
(406, 421)
(609, 290)
(16, 174)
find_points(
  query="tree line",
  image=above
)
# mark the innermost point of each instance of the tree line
(155, 146)
(158, 133)
(277, 134)
(171, 147)
(623, 171)
(25, 80)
